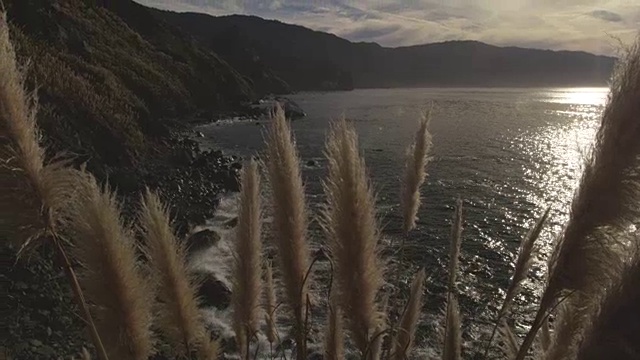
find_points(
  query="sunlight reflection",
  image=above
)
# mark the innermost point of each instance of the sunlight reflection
(580, 96)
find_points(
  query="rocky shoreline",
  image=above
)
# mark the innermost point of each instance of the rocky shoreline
(41, 319)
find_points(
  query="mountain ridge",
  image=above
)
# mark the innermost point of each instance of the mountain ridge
(309, 59)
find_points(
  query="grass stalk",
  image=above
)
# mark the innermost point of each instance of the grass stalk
(290, 220)
(350, 224)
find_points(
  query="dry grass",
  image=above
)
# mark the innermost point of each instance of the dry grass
(406, 330)
(614, 331)
(111, 276)
(289, 220)
(589, 266)
(525, 258)
(177, 314)
(415, 174)
(588, 255)
(35, 193)
(509, 342)
(350, 224)
(334, 335)
(270, 305)
(247, 279)
(453, 332)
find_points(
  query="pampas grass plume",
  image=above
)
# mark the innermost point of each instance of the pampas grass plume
(177, 314)
(35, 194)
(415, 174)
(247, 279)
(407, 328)
(289, 220)
(453, 332)
(452, 335)
(526, 254)
(270, 308)
(588, 254)
(334, 336)
(111, 276)
(350, 224)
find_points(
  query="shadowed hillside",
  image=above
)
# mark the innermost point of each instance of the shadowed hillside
(309, 59)
(108, 78)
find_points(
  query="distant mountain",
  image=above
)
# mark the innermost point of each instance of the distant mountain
(313, 60)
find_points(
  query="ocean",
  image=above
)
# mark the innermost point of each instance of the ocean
(507, 153)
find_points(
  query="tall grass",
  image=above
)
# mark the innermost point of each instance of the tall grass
(289, 221)
(406, 331)
(592, 288)
(415, 174)
(605, 206)
(35, 193)
(247, 279)
(352, 230)
(177, 314)
(111, 273)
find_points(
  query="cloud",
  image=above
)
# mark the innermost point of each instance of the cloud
(606, 15)
(548, 24)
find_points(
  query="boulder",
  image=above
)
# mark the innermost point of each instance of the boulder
(213, 292)
(231, 223)
(202, 240)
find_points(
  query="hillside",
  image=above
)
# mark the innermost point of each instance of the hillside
(110, 76)
(311, 60)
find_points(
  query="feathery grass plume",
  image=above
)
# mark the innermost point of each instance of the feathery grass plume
(35, 195)
(454, 249)
(415, 174)
(407, 327)
(111, 275)
(614, 330)
(380, 332)
(453, 332)
(247, 279)
(85, 354)
(509, 341)
(526, 254)
(177, 314)
(334, 336)
(606, 202)
(289, 220)
(452, 335)
(572, 320)
(270, 308)
(350, 225)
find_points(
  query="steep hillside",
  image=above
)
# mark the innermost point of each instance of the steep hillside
(309, 59)
(110, 75)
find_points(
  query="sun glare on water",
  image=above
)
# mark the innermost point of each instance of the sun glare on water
(580, 96)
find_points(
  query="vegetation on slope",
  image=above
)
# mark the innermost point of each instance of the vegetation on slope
(118, 75)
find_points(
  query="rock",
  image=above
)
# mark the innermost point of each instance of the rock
(214, 293)
(285, 344)
(202, 240)
(231, 223)
(230, 181)
(312, 163)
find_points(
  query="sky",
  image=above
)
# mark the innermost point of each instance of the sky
(596, 26)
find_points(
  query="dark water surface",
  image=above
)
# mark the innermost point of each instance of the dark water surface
(508, 153)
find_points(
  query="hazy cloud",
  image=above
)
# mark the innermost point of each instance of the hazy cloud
(549, 24)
